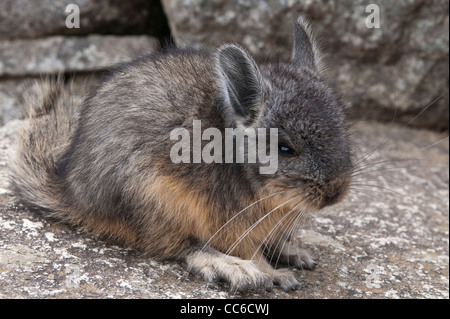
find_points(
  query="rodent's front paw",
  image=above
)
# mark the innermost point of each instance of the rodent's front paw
(240, 274)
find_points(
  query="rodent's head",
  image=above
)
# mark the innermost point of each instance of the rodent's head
(314, 154)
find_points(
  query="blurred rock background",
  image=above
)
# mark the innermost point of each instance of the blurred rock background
(395, 71)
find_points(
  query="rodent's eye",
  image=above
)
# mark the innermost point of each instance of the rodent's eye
(286, 150)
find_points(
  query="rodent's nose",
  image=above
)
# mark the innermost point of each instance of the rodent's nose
(331, 199)
(334, 191)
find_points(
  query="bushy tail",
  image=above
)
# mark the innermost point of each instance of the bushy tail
(43, 141)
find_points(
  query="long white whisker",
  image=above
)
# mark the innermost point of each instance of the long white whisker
(425, 148)
(289, 229)
(232, 218)
(381, 187)
(273, 229)
(238, 241)
(425, 108)
(297, 221)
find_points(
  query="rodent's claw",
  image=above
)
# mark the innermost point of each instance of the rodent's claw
(304, 261)
(285, 279)
(269, 287)
(301, 263)
(291, 287)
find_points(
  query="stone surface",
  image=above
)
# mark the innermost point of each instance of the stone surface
(68, 54)
(401, 68)
(21, 19)
(388, 239)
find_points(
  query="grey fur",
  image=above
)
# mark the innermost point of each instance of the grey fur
(108, 170)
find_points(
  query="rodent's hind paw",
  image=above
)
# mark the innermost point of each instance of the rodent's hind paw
(298, 258)
(285, 279)
(302, 260)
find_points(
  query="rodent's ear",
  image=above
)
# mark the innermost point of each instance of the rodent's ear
(305, 53)
(241, 84)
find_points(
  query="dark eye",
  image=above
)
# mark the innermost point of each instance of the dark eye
(286, 150)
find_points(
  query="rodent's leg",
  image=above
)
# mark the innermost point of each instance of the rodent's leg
(293, 256)
(212, 264)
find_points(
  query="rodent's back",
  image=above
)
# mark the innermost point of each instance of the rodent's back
(123, 129)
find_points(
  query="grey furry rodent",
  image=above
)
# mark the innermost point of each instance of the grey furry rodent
(107, 169)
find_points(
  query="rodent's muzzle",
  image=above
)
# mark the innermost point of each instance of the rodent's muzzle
(334, 191)
(317, 194)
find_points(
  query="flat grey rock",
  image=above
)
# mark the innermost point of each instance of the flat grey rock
(57, 54)
(388, 239)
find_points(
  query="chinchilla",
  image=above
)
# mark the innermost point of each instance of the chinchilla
(106, 168)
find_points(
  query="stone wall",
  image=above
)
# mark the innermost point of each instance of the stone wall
(395, 71)
(403, 65)
(35, 41)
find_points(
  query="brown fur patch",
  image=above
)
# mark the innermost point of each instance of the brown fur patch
(186, 205)
(111, 229)
(184, 210)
